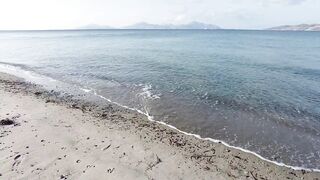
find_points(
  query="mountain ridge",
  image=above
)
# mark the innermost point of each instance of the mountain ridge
(144, 25)
(191, 25)
(299, 27)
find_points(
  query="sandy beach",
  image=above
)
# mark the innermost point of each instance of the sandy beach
(48, 137)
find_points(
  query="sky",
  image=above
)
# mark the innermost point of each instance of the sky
(233, 14)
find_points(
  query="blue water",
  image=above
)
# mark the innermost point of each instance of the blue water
(259, 90)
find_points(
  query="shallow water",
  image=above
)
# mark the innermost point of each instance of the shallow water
(259, 90)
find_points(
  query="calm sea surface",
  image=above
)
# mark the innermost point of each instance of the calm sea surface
(258, 90)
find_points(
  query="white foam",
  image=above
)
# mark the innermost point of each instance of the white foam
(26, 75)
(146, 92)
(86, 90)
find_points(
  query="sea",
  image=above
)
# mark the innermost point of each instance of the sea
(255, 90)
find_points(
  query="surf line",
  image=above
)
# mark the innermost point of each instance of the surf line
(151, 118)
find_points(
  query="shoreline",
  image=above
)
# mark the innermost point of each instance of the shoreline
(21, 73)
(225, 161)
(150, 118)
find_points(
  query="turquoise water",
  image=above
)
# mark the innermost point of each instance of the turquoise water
(259, 90)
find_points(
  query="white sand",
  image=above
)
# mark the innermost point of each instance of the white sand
(53, 141)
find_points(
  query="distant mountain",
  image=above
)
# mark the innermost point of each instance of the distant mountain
(197, 25)
(192, 25)
(95, 26)
(300, 27)
(144, 25)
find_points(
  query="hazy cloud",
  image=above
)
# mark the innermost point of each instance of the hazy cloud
(296, 1)
(292, 2)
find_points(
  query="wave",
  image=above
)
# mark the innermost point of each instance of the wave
(24, 72)
(147, 92)
(12, 69)
(85, 90)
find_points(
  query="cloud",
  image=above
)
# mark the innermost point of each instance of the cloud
(295, 1)
(179, 18)
(287, 2)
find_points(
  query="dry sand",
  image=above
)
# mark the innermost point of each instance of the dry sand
(51, 139)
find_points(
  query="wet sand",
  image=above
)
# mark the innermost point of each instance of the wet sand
(46, 135)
